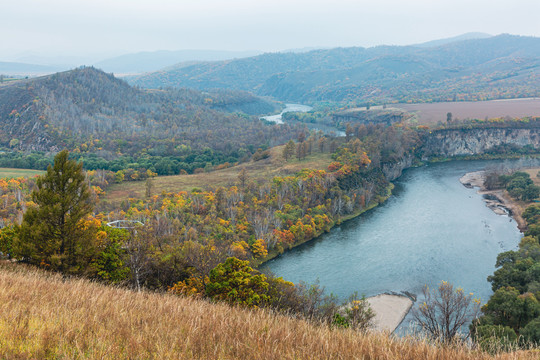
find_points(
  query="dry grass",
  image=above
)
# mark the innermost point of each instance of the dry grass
(42, 316)
(262, 170)
(15, 173)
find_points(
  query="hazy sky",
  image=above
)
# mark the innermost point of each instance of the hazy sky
(104, 27)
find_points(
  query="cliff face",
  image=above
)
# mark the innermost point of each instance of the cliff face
(394, 170)
(456, 142)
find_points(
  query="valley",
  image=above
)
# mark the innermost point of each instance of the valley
(184, 187)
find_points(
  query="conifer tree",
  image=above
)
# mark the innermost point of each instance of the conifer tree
(53, 233)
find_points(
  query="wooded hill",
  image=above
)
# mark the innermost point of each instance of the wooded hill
(91, 112)
(496, 67)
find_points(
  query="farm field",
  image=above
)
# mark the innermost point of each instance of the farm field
(262, 170)
(15, 173)
(432, 113)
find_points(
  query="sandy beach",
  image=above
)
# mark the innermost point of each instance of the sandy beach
(497, 200)
(390, 310)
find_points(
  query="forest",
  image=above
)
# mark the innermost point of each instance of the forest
(108, 124)
(193, 243)
(188, 236)
(503, 66)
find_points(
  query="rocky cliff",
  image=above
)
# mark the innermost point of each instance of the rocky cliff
(394, 170)
(462, 142)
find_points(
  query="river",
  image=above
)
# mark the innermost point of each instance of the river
(288, 108)
(431, 229)
(327, 129)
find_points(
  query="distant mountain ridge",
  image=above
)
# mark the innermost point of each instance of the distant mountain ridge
(154, 60)
(17, 68)
(493, 67)
(466, 36)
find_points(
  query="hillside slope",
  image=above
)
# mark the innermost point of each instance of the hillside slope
(87, 106)
(494, 67)
(45, 316)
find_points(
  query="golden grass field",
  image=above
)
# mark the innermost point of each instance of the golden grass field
(43, 316)
(261, 170)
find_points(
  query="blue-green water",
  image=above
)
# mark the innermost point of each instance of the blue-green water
(431, 229)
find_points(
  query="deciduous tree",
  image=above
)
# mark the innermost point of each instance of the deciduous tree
(444, 311)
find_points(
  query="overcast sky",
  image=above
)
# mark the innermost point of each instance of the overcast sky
(109, 27)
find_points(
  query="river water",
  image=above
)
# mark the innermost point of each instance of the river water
(327, 129)
(431, 229)
(288, 108)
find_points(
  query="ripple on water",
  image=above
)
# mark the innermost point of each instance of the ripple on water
(432, 229)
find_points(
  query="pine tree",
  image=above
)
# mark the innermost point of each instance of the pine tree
(53, 233)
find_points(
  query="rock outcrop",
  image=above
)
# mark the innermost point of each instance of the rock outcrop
(394, 170)
(463, 142)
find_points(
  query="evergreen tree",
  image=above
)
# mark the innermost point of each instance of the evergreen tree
(53, 233)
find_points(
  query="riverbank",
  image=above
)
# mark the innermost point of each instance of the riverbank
(390, 310)
(272, 254)
(497, 200)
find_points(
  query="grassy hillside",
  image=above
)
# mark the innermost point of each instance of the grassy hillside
(43, 316)
(496, 67)
(262, 170)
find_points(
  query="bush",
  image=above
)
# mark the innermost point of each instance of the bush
(531, 332)
(495, 338)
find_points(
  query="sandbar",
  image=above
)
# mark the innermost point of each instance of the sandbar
(390, 310)
(497, 200)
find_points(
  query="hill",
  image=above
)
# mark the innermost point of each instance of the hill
(90, 112)
(466, 36)
(47, 316)
(495, 67)
(17, 68)
(154, 60)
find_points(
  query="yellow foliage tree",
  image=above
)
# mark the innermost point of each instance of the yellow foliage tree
(259, 249)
